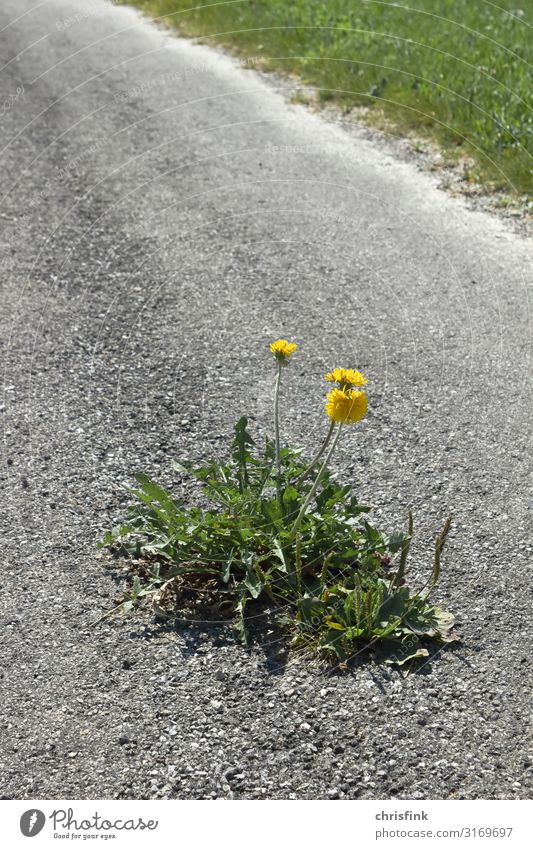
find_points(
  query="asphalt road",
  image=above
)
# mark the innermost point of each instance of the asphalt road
(164, 214)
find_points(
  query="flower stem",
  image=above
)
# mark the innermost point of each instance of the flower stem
(313, 489)
(276, 430)
(317, 456)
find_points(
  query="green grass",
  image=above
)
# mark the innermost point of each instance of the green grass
(455, 71)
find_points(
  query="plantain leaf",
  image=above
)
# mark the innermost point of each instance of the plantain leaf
(398, 651)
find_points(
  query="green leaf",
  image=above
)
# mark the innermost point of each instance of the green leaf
(271, 510)
(421, 620)
(334, 625)
(397, 652)
(331, 641)
(182, 465)
(388, 628)
(394, 604)
(280, 553)
(226, 570)
(241, 441)
(374, 538)
(354, 633)
(395, 542)
(332, 494)
(291, 501)
(108, 539)
(156, 493)
(309, 608)
(252, 580)
(332, 576)
(240, 623)
(445, 624)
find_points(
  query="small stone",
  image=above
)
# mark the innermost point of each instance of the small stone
(232, 772)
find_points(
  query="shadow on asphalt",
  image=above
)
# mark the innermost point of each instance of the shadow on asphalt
(268, 642)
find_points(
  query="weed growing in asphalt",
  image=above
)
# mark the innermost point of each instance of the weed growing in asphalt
(282, 531)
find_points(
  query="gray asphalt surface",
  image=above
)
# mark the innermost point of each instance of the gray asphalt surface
(165, 214)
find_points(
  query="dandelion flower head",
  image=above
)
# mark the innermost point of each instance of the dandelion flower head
(347, 378)
(282, 349)
(346, 406)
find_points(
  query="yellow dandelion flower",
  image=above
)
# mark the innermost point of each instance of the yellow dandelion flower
(282, 349)
(346, 406)
(346, 377)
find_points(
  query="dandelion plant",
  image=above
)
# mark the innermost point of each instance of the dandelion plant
(282, 531)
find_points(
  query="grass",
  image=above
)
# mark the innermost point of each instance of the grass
(453, 71)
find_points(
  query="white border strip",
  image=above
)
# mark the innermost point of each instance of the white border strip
(257, 824)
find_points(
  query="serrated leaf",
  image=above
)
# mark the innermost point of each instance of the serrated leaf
(157, 493)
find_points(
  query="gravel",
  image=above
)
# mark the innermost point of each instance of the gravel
(157, 232)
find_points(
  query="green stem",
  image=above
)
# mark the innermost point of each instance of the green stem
(313, 489)
(276, 430)
(317, 456)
